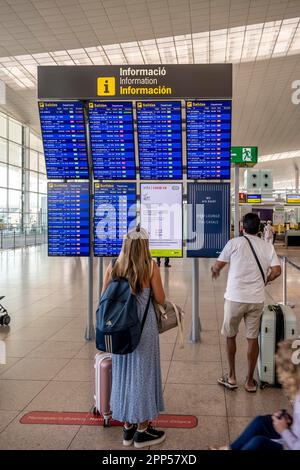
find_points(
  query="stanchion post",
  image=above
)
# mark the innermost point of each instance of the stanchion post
(196, 325)
(284, 280)
(236, 200)
(100, 278)
(90, 329)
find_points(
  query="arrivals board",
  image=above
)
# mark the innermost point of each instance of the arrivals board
(208, 137)
(114, 214)
(208, 217)
(63, 133)
(68, 219)
(112, 140)
(159, 139)
(161, 216)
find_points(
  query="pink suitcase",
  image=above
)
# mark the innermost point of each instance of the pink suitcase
(103, 380)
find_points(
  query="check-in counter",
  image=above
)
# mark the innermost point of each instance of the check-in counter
(292, 238)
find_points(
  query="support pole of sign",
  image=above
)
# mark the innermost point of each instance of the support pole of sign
(196, 325)
(90, 329)
(284, 280)
(100, 278)
(236, 200)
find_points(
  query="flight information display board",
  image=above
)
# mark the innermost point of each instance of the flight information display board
(63, 133)
(159, 139)
(114, 214)
(112, 140)
(161, 216)
(68, 219)
(208, 139)
(208, 217)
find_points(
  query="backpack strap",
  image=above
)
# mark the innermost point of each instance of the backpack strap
(256, 259)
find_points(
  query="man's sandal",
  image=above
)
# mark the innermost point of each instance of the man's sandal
(252, 389)
(225, 382)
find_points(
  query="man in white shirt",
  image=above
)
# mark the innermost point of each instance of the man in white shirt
(245, 293)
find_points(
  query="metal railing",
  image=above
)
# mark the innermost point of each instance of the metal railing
(20, 238)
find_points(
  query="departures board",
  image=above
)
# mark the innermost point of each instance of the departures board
(68, 219)
(64, 141)
(112, 140)
(159, 140)
(114, 214)
(208, 139)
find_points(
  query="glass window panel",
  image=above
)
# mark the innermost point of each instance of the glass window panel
(42, 166)
(42, 199)
(3, 175)
(3, 202)
(14, 177)
(3, 150)
(33, 181)
(14, 200)
(3, 125)
(33, 202)
(15, 131)
(35, 142)
(42, 184)
(33, 160)
(15, 154)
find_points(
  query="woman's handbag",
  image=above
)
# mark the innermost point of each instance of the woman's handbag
(169, 316)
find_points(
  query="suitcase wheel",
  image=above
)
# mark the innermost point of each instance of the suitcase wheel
(106, 421)
(263, 385)
(4, 320)
(96, 412)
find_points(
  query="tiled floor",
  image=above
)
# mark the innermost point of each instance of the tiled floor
(50, 365)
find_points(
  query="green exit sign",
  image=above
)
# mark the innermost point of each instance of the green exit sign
(244, 156)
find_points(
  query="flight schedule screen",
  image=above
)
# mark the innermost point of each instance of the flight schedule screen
(208, 135)
(63, 133)
(112, 140)
(68, 219)
(114, 214)
(159, 140)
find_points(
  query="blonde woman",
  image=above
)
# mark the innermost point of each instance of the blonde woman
(137, 396)
(279, 431)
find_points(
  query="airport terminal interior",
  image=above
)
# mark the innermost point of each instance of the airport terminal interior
(55, 240)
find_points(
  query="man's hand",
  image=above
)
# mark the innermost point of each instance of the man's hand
(275, 272)
(279, 424)
(216, 268)
(215, 273)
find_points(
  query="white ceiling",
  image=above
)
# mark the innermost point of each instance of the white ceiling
(260, 37)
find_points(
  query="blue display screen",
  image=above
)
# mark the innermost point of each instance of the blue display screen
(208, 137)
(112, 140)
(63, 133)
(159, 140)
(68, 219)
(115, 211)
(208, 219)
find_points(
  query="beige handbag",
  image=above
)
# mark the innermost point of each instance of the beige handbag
(169, 316)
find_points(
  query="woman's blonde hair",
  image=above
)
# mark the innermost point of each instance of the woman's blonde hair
(288, 371)
(134, 261)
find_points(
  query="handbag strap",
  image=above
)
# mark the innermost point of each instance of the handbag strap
(179, 323)
(256, 259)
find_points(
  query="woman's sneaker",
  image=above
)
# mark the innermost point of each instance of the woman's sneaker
(149, 437)
(128, 435)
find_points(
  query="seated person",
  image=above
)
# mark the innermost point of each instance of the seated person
(280, 431)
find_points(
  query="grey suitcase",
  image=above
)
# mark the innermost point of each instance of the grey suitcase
(278, 322)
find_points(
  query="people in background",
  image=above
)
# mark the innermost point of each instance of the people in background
(167, 262)
(137, 394)
(245, 294)
(269, 232)
(280, 431)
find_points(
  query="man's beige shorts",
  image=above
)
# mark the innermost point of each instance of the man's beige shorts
(234, 312)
